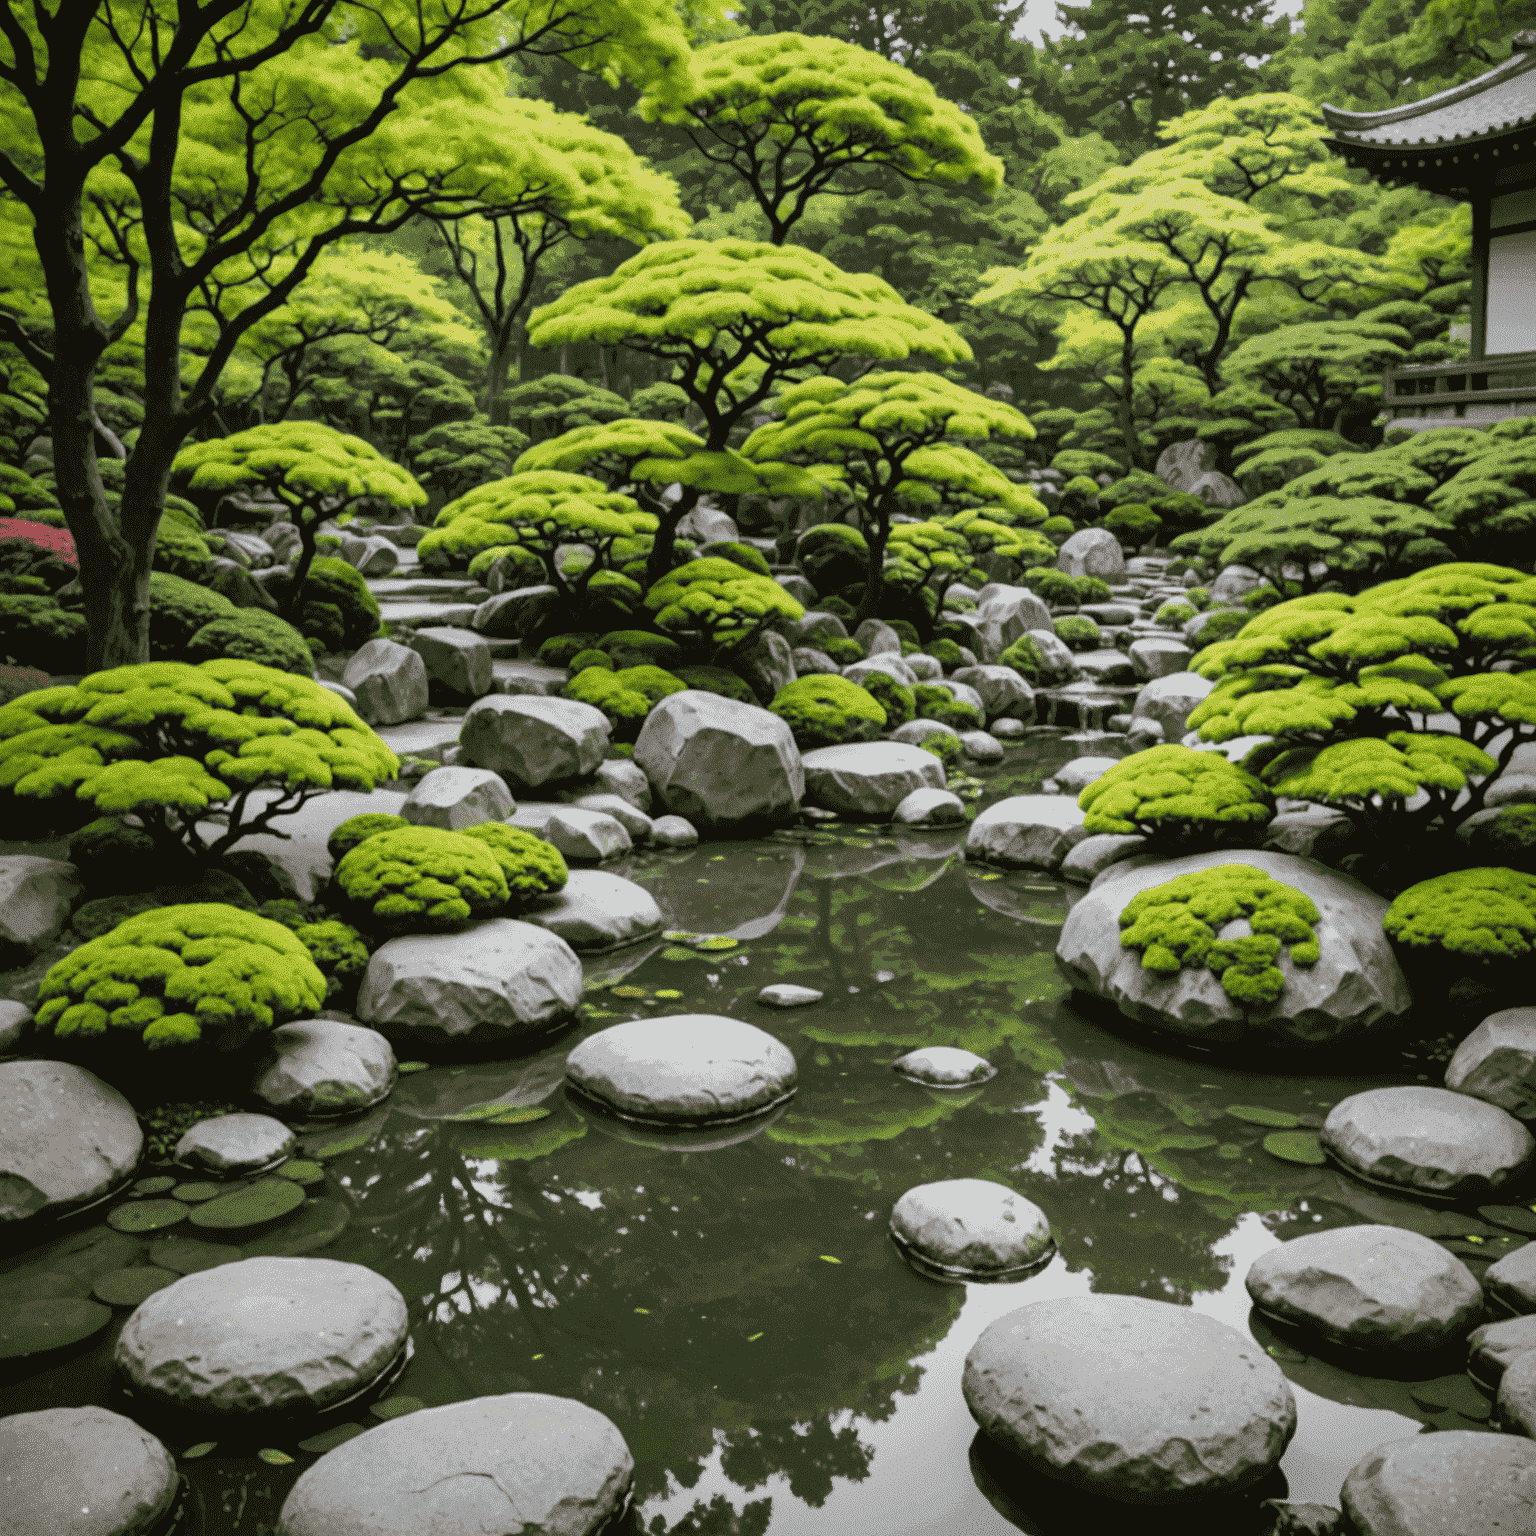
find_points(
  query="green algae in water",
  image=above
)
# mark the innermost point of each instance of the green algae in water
(146, 1216)
(253, 1207)
(497, 1114)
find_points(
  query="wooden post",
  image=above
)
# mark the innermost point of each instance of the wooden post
(1477, 350)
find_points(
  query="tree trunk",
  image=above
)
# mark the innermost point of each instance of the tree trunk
(659, 561)
(498, 376)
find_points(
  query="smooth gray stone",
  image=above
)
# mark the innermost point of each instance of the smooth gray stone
(457, 658)
(973, 1227)
(1026, 832)
(235, 1144)
(1368, 1287)
(868, 779)
(930, 808)
(686, 1069)
(319, 1067)
(1004, 694)
(619, 776)
(1453, 1483)
(1429, 1141)
(1074, 777)
(1128, 1398)
(597, 911)
(1168, 700)
(1497, 1062)
(785, 994)
(532, 740)
(455, 798)
(15, 1022)
(263, 1334)
(1494, 1347)
(1516, 1406)
(945, 1066)
(981, 746)
(37, 896)
(1303, 1519)
(66, 1138)
(389, 681)
(636, 823)
(1152, 658)
(1512, 1281)
(84, 1471)
(673, 832)
(1097, 853)
(523, 1462)
(809, 662)
(587, 835)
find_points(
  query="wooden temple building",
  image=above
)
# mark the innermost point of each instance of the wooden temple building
(1475, 142)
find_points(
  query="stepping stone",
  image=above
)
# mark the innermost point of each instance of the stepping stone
(419, 738)
(85, 1471)
(524, 1461)
(1428, 1141)
(318, 1067)
(1128, 1398)
(442, 589)
(1497, 1062)
(587, 835)
(690, 1069)
(1368, 1287)
(597, 911)
(66, 1139)
(390, 682)
(869, 779)
(673, 832)
(509, 675)
(534, 741)
(455, 798)
(636, 823)
(1026, 832)
(234, 1144)
(1494, 1347)
(785, 994)
(420, 614)
(1511, 1283)
(1454, 1483)
(261, 1335)
(945, 1066)
(1074, 777)
(458, 659)
(972, 1229)
(930, 808)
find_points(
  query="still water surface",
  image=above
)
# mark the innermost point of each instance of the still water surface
(739, 1311)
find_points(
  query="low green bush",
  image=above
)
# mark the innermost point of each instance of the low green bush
(828, 711)
(1179, 799)
(591, 657)
(422, 878)
(933, 701)
(1092, 589)
(1174, 614)
(1052, 586)
(355, 829)
(945, 652)
(896, 699)
(531, 867)
(1025, 659)
(1078, 633)
(844, 650)
(253, 634)
(716, 680)
(562, 650)
(1508, 837)
(641, 648)
(35, 631)
(1477, 918)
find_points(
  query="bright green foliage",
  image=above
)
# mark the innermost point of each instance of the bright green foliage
(540, 510)
(355, 829)
(1076, 463)
(1507, 837)
(1318, 368)
(832, 556)
(1178, 798)
(1222, 625)
(338, 951)
(945, 747)
(178, 609)
(22, 496)
(718, 681)
(1174, 926)
(1025, 659)
(1268, 462)
(1174, 613)
(557, 402)
(1078, 633)
(945, 652)
(747, 556)
(1486, 916)
(169, 742)
(828, 711)
(422, 877)
(1054, 587)
(253, 634)
(505, 568)
(591, 657)
(933, 701)
(336, 602)
(456, 456)
(844, 650)
(170, 974)
(531, 866)
(562, 650)
(1133, 523)
(36, 631)
(1079, 499)
(791, 114)
(640, 648)
(625, 696)
(1058, 529)
(717, 605)
(896, 699)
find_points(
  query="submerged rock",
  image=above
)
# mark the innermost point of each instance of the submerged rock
(263, 1334)
(1368, 1287)
(1454, 1483)
(1428, 1141)
(523, 1462)
(785, 994)
(84, 1471)
(1130, 1399)
(972, 1229)
(688, 1069)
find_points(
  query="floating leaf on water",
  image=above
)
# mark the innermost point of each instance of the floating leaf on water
(353, 1143)
(1261, 1114)
(1296, 1147)
(318, 1445)
(262, 1202)
(1229, 1150)
(827, 1258)
(1514, 1218)
(302, 1171)
(34, 1327)
(674, 953)
(405, 1068)
(524, 1114)
(498, 1114)
(128, 1287)
(670, 994)
(396, 1407)
(187, 1256)
(274, 1457)
(198, 1451)
(643, 1311)
(986, 877)
(627, 991)
(679, 935)
(146, 1216)
(196, 1194)
(154, 1186)
(752, 1338)
(717, 943)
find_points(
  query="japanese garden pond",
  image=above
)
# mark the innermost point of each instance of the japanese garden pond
(737, 1307)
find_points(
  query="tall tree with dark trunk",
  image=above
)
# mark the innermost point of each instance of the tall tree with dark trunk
(214, 151)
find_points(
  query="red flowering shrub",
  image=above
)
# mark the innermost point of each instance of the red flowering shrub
(35, 558)
(15, 681)
(58, 542)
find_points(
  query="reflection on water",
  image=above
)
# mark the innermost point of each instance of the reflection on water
(740, 1312)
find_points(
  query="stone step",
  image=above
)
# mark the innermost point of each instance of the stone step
(420, 738)
(444, 588)
(513, 676)
(422, 614)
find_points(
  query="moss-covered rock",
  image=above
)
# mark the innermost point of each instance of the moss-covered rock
(1174, 614)
(729, 685)
(253, 634)
(933, 701)
(843, 649)
(1025, 659)
(1052, 586)
(896, 699)
(562, 650)
(532, 867)
(832, 556)
(641, 648)
(421, 878)
(1078, 633)
(945, 652)
(1481, 917)
(625, 695)
(355, 829)
(828, 711)
(591, 657)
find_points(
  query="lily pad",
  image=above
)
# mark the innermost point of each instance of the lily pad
(499, 1114)
(318, 1225)
(1515, 1218)
(198, 1451)
(318, 1445)
(396, 1407)
(1230, 1151)
(155, 1186)
(679, 935)
(1262, 1114)
(1296, 1147)
(405, 1069)
(187, 1256)
(274, 1457)
(627, 991)
(146, 1215)
(353, 1143)
(196, 1194)
(717, 944)
(262, 1202)
(675, 953)
(302, 1171)
(128, 1287)
(34, 1327)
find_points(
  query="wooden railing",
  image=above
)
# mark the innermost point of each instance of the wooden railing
(1493, 387)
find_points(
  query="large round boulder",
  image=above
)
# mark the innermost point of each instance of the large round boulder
(263, 1335)
(523, 1462)
(66, 1138)
(868, 780)
(1511, 1283)
(689, 1069)
(1354, 989)
(1497, 1062)
(1428, 1141)
(973, 1229)
(1129, 1398)
(595, 911)
(532, 740)
(1092, 552)
(496, 982)
(1169, 699)
(1026, 832)
(318, 1067)
(84, 1471)
(1368, 1287)
(1455, 1483)
(720, 763)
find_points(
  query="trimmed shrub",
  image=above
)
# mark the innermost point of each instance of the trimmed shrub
(1092, 589)
(641, 648)
(1479, 917)
(340, 955)
(171, 974)
(1225, 624)
(832, 556)
(945, 652)
(844, 650)
(333, 584)
(178, 609)
(356, 829)
(1025, 659)
(1178, 799)
(896, 699)
(35, 629)
(1058, 529)
(933, 701)
(562, 650)
(1174, 613)
(828, 711)
(946, 748)
(591, 657)
(253, 634)
(1078, 633)
(717, 680)
(1052, 586)
(1133, 524)
(532, 867)
(422, 878)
